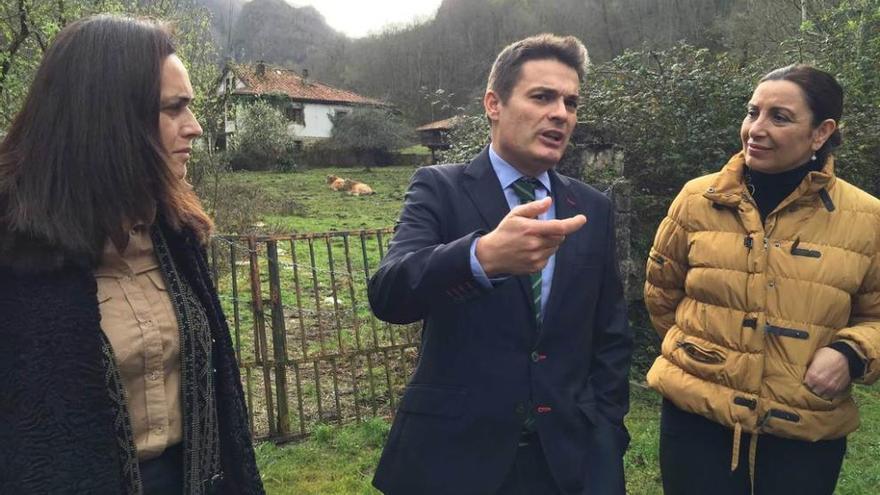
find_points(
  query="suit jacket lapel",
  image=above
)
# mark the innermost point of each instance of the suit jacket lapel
(482, 185)
(566, 207)
(484, 190)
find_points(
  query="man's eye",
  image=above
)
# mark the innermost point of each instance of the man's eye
(752, 113)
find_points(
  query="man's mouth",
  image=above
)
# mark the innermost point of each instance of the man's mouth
(553, 136)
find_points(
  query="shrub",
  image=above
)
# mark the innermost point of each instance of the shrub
(845, 41)
(369, 134)
(236, 208)
(467, 138)
(261, 141)
(206, 169)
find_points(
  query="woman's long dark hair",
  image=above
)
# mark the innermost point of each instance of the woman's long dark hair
(83, 156)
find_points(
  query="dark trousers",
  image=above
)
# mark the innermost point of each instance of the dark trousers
(530, 474)
(164, 474)
(695, 455)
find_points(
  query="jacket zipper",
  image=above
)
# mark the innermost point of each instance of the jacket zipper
(657, 259)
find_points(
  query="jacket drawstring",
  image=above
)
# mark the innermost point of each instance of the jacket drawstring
(737, 437)
(753, 454)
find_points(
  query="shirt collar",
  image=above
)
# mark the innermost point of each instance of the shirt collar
(507, 174)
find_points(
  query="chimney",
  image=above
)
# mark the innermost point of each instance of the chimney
(305, 76)
(261, 68)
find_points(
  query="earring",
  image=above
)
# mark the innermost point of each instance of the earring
(813, 157)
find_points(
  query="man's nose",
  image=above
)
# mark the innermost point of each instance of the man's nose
(559, 111)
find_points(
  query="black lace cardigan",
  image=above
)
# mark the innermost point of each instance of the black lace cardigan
(62, 429)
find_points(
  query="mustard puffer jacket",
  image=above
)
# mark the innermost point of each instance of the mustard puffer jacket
(742, 306)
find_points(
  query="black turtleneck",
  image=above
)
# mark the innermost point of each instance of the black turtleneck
(768, 190)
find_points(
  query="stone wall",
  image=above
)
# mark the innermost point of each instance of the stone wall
(594, 159)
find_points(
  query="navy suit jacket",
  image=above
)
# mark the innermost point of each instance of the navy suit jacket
(483, 363)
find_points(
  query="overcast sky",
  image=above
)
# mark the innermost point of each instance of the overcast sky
(358, 18)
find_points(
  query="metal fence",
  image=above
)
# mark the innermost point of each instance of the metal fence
(309, 349)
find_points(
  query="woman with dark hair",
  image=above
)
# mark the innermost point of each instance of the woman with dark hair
(117, 372)
(764, 284)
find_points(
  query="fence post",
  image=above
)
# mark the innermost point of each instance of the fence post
(355, 321)
(214, 272)
(317, 292)
(260, 331)
(279, 336)
(389, 329)
(371, 378)
(236, 321)
(332, 267)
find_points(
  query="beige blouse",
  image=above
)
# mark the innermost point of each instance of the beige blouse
(139, 320)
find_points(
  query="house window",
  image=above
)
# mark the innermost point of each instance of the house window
(297, 146)
(294, 113)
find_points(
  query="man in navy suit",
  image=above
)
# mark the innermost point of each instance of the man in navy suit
(522, 381)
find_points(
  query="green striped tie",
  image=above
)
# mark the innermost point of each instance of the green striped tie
(524, 187)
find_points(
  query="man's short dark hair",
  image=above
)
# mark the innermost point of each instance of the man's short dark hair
(506, 69)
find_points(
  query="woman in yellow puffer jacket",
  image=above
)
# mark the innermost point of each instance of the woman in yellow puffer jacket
(764, 284)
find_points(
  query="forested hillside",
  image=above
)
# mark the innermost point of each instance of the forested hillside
(453, 51)
(430, 69)
(273, 31)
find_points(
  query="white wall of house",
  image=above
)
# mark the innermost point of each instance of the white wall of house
(316, 116)
(317, 120)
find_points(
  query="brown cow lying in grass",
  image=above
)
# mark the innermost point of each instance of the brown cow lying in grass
(357, 188)
(335, 183)
(353, 187)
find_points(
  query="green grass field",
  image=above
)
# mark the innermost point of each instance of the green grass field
(302, 202)
(341, 460)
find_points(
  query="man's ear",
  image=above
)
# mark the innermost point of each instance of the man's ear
(492, 105)
(823, 132)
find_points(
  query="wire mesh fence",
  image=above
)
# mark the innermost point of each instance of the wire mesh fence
(309, 349)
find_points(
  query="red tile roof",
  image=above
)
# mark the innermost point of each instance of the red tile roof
(286, 81)
(440, 125)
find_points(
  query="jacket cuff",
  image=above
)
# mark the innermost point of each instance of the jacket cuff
(466, 285)
(856, 364)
